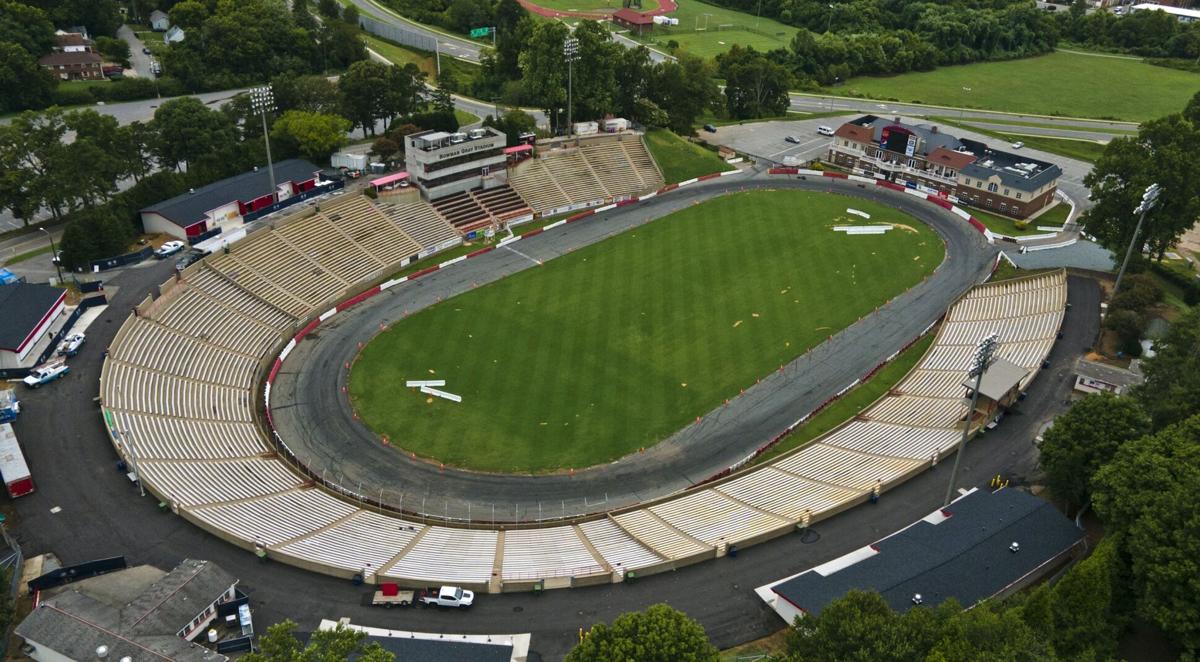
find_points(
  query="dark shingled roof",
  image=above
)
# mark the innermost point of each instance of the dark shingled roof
(966, 556)
(68, 59)
(444, 650)
(24, 306)
(190, 208)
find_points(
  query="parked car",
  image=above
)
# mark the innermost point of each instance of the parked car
(710, 128)
(145, 51)
(446, 596)
(825, 130)
(1018, 145)
(168, 249)
(792, 139)
(71, 344)
(46, 374)
(189, 258)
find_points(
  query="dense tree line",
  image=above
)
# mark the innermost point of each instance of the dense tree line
(1148, 33)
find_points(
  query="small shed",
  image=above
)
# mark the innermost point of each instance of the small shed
(637, 22)
(159, 21)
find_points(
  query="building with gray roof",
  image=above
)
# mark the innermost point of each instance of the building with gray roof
(139, 614)
(923, 157)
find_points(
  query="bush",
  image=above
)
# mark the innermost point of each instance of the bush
(435, 121)
(1138, 292)
(66, 95)
(1128, 326)
(370, 193)
(1021, 225)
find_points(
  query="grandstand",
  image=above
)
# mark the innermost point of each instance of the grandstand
(477, 208)
(179, 398)
(600, 168)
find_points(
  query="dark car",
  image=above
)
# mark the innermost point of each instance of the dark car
(710, 128)
(793, 139)
(188, 259)
(145, 50)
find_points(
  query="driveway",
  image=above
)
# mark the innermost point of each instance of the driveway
(139, 61)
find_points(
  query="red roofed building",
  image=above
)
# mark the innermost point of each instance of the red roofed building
(637, 22)
(73, 65)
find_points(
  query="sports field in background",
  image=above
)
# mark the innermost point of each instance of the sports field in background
(592, 5)
(618, 345)
(708, 30)
(1060, 83)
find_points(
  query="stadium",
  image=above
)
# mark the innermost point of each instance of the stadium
(261, 393)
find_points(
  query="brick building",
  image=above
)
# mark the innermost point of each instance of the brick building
(73, 65)
(923, 157)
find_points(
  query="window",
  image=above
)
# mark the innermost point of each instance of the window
(967, 181)
(1018, 195)
(993, 187)
(1003, 207)
(979, 183)
(1006, 192)
(912, 163)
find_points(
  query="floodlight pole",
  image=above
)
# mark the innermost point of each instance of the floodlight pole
(54, 255)
(1149, 199)
(571, 53)
(263, 100)
(983, 356)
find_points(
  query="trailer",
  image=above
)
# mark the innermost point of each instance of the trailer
(390, 595)
(12, 464)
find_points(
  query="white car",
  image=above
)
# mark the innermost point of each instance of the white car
(71, 344)
(825, 130)
(168, 249)
(1018, 145)
(45, 374)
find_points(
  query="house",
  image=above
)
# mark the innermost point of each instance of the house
(72, 42)
(1181, 14)
(637, 22)
(78, 65)
(140, 613)
(174, 35)
(1094, 377)
(159, 21)
(927, 159)
(31, 311)
(224, 203)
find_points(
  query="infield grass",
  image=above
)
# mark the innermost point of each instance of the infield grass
(708, 30)
(616, 346)
(1059, 83)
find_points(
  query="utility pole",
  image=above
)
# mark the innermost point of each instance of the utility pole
(571, 54)
(262, 100)
(54, 255)
(1149, 199)
(983, 356)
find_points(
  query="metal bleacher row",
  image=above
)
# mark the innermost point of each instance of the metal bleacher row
(179, 394)
(599, 168)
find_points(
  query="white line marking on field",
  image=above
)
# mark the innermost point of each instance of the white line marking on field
(537, 262)
(55, 510)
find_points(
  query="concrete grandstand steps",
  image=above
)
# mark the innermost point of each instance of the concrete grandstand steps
(842, 467)
(322, 242)
(666, 540)
(363, 542)
(540, 553)
(403, 549)
(245, 277)
(462, 211)
(474, 554)
(619, 549)
(715, 519)
(420, 221)
(218, 286)
(273, 519)
(286, 267)
(209, 483)
(369, 227)
(200, 315)
(786, 494)
(169, 438)
(154, 346)
(131, 387)
(501, 202)
(533, 181)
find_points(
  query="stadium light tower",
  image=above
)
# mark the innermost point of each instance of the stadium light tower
(983, 356)
(570, 54)
(1149, 199)
(262, 101)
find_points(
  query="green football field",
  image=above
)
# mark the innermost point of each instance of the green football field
(618, 345)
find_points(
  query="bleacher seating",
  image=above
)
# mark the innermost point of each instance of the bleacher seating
(501, 202)
(462, 211)
(420, 221)
(178, 390)
(599, 168)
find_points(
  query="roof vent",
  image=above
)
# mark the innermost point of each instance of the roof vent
(1014, 548)
(102, 652)
(917, 599)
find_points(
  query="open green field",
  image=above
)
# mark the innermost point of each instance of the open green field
(708, 30)
(592, 5)
(679, 159)
(1059, 83)
(1072, 148)
(616, 346)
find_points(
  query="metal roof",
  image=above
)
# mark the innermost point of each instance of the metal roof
(190, 208)
(25, 306)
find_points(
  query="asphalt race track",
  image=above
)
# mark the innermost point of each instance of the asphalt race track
(312, 414)
(73, 465)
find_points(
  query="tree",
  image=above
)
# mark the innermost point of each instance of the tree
(1162, 153)
(280, 644)
(315, 94)
(1147, 497)
(314, 135)
(385, 149)
(340, 45)
(363, 90)
(754, 86)
(684, 89)
(441, 101)
(648, 113)
(513, 123)
(303, 15)
(329, 8)
(543, 70)
(1085, 438)
(658, 634)
(100, 17)
(1171, 391)
(595, 81)
(350, 15)
(1083, 614)
(189, 133)
(113, 49)
(26, 26)
(31, 154)
(189, 14)
(25, 83)
(404, 93)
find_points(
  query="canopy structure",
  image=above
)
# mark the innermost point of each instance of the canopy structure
(518, 149)
(389, 179)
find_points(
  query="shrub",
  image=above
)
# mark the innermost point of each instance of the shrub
(1021, 225)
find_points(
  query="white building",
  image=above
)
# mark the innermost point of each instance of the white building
(1183, 15)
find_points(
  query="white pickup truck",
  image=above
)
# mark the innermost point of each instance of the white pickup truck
(446, 596)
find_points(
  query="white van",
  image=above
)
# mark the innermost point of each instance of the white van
(825, 130)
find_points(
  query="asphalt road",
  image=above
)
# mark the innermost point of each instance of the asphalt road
(315, 420)
(140, 61)
(449, 44)
(101, 514)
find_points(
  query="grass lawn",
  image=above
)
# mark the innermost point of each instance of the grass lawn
(679, 159)
(1056, 216)
(617, 345)
(425, 61)
(464, 118)
(853, 402)
(725, 27)
(1001, 224)
(1055, 84)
